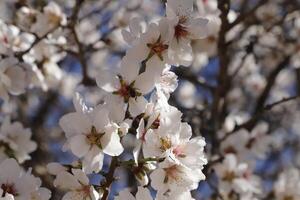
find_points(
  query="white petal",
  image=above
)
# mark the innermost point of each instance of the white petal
(81, 176)
(18, 83)
(129, 68)
(198, 28)
(145, 82)
(75, 124)
(107, 81)
(93, 160)
(100, 118)
(111, 142)
(143, 194)
(79, 145)
(66, 180)
(137, 106)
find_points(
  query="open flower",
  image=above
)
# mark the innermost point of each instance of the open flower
(176, 144)
(127, 88)
(75, 182)
(236, 177)
(90, 134)
(19, 185)
(172, 176)
(183, 28)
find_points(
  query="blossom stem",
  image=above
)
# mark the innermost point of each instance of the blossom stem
(109, 177)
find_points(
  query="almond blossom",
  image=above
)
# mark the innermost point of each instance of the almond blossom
(75, 182)
(183, 28)
(17, 184)
(90, 134)
(15, 140)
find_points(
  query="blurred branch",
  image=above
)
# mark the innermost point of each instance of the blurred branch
(270, 83)
(86, 80)
(251, 122)
(224, 7)
(185, 73)
(245, 15)
(42, 155)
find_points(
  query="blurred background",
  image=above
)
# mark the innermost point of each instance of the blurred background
(239, 71)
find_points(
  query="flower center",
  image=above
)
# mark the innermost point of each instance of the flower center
(127, 91)
(157, 48)
(94, 138)
(8, 189)
(229, 176)
(165, 144)
(180, 30)
(53, 18)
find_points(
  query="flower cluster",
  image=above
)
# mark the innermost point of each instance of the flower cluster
(137, 99)
(136, 102)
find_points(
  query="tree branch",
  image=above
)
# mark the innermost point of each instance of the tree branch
(109, 178)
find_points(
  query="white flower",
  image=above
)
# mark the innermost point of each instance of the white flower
(19, 185)
(173, 176)
(142, 194)
(183, 28)
(126, 88)
(152, 47)
(12, 40)
(90, 134)
(136, 28)
(288, 185)
(176, 143)
(12, 78)
(236, 177)
(43, 70)
(15, 140)
(75, 182)
(51, 17)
